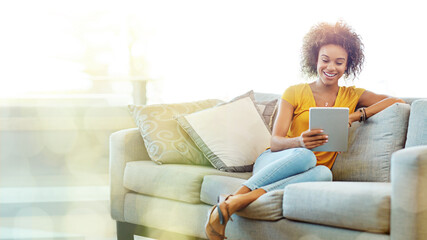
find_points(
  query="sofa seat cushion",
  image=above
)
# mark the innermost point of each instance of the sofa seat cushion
(363, 206)
(267, 207)
(214, 186)
(173, 181)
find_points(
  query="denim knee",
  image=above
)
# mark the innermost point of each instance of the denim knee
(307, 157)
(322, 173)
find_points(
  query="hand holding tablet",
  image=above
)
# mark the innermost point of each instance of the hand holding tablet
(334, 122)
(311, 139)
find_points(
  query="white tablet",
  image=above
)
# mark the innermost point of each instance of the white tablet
(334, 122)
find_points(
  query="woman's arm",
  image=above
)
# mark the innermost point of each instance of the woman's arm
(373, 103)
(279, 140)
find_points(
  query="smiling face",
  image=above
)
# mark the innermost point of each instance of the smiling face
(331, 64)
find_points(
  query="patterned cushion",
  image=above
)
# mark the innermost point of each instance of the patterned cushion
(268, 104)
(166, 142)
(267, 109)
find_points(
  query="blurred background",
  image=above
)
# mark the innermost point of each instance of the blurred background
(68, 70)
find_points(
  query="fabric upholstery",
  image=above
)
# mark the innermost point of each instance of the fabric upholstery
(267, 110)
(173, 181)
(409, 196)
(166, 214)
(284, 229)
(262, 97)
(265, 102)
(269, 98)
(214, 186)
(267, 207)
(125, 146)
(189, 219)
(354, 205)
(371, 144)
(166, 142)
(417, 129)
(231, 135)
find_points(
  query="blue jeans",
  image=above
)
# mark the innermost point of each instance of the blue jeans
(276, 170)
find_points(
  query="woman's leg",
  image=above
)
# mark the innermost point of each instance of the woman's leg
(317, 174)
(271, 167)
(268, 157)
(214, 228)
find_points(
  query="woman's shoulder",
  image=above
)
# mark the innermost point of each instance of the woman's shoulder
(297, 87)
(294, 93)
(351, 90)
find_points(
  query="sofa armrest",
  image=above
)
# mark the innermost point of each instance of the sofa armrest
(409, 193)
(125, 146)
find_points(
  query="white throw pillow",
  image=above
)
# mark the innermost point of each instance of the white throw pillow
(231, 136)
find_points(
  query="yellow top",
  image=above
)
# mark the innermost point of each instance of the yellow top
(301, 98)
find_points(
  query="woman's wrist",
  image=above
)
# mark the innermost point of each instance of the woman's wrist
(354, 117)
(301, 142)
(282, 143)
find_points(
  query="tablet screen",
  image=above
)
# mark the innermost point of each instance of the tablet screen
(334, 122)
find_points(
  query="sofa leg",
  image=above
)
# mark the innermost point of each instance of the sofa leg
(125, 231)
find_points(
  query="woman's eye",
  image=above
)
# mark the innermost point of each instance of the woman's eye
(325, 61)
(339, 64)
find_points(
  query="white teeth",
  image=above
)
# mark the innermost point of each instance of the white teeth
(329, 75)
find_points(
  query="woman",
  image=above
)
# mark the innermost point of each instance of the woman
(329, 52)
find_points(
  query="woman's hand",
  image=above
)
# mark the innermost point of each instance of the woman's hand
(313, 138)
(353, 117)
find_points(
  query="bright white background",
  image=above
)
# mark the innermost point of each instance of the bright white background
(196, 49)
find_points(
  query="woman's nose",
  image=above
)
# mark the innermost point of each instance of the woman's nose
(331, 66)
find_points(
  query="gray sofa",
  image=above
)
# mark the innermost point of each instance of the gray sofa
(379, 189)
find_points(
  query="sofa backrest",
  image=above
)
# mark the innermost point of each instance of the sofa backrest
(261, 97)
(417, 129)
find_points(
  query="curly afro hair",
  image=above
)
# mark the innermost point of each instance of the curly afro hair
(339, 34)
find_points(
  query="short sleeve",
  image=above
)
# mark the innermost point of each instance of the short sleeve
(350, 97)
(359, 91)
(289, 95)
